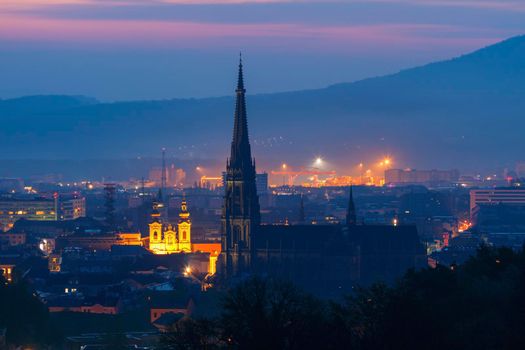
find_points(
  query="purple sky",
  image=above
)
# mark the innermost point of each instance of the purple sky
(140, 49)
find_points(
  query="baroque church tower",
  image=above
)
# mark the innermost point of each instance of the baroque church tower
(164, 238)
(241, 212)
(184, 228)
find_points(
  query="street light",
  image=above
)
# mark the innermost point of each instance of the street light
(187, 271)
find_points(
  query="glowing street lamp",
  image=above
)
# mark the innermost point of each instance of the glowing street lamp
(187, 271)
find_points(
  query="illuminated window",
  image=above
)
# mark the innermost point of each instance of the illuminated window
(40, 212)
(184, 235)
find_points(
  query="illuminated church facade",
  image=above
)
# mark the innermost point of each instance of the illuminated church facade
(167, 238)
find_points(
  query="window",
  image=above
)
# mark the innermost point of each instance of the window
(184, 235)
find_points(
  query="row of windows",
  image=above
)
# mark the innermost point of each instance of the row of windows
(23, 212)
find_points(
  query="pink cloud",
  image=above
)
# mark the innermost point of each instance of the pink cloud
(198, 35)
(512, 5)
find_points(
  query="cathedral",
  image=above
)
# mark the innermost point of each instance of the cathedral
(325, 258)
(166, 238)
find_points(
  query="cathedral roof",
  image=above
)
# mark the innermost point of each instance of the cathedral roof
(340, 239)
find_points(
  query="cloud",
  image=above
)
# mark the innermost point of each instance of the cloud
(507, 5)
(143, 33)
(490, 4)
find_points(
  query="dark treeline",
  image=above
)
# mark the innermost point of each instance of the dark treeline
(24, 317)
(478, 305)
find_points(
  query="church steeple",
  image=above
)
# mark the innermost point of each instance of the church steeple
(240, 149)
(351, 217)
(241, 212)
(240, 78)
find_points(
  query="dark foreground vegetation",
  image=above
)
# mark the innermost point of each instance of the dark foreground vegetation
(478, 305)
(24, 318)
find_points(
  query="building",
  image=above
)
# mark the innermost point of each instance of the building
(168, 239)
(261, 183)
(413, 176)
(13, 209)
(162, 303)
(40, 209)
(165, 238)
(72, 208)
(329, 259)
(12, 239)
(130, 238)
(511, 196)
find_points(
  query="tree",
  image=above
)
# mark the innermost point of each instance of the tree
(24, 316)
(268, 314)
(189, 334)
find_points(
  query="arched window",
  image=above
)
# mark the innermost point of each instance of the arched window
(170, 240)
(155, 235)
(184, 235)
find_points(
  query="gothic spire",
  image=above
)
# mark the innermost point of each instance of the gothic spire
(240, 152)
(351, 218)
(240, 79)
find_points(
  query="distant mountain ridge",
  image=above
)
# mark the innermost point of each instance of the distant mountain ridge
(464, 112)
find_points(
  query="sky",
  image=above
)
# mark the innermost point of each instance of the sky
(160, 49)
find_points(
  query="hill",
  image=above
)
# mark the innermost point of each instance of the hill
(464, 113)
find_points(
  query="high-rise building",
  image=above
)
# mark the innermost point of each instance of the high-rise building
(261, 182)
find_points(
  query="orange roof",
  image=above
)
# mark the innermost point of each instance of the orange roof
(212, 248)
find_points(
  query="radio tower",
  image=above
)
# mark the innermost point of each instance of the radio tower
(163, 175)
